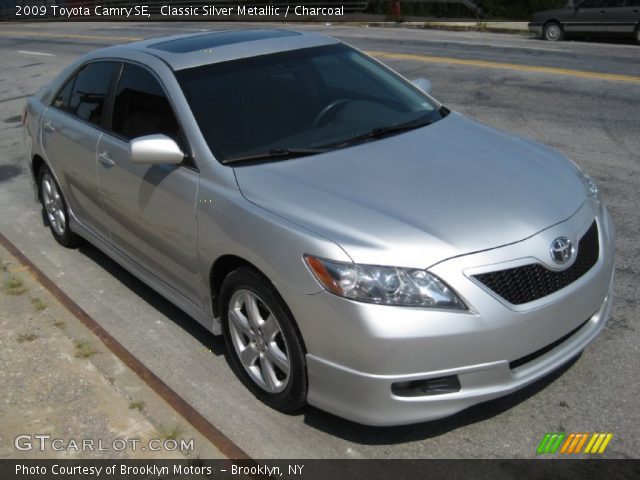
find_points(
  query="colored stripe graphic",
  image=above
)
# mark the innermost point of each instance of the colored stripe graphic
(572, 443)
(598, 443)
(584, 439)
(543, 444)
(550, 443)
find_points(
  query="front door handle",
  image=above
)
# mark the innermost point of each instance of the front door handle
(48, 126)
(105, 159)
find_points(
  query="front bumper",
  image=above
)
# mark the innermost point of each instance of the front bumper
(536, 27)
(357, 351)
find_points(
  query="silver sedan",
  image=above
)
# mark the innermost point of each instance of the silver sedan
(361, 247)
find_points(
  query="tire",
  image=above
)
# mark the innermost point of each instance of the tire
(638, 34)
(55, 210)
(256, 320)
(553, 32)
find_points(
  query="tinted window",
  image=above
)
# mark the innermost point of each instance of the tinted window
(601, 3)
(141, 107)
(633, 3)
(303, 99)
(84, 94)
(62, 100)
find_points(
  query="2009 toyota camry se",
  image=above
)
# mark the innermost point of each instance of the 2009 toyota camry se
(360, 246)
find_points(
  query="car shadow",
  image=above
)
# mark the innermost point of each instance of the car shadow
(365, 435)
(209, 341)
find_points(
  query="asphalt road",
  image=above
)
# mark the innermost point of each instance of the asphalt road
(539, 90)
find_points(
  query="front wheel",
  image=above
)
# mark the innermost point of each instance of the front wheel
(263, 345)
(553, 32)
(55, 209)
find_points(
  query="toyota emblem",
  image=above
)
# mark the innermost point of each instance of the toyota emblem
(562, 250)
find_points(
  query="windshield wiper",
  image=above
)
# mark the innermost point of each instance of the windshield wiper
(383, 131)
(281, 153)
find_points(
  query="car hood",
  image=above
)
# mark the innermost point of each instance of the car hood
(420, 197)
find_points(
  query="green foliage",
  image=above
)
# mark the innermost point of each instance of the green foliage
(14, 286)
(26, 337)
(136, 406)
(84, 349)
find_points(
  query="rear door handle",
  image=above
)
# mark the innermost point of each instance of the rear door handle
(48, 126)
(105, 159)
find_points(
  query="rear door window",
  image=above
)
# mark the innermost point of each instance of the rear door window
(85, 93)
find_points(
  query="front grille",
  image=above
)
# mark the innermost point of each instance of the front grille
(530, 282)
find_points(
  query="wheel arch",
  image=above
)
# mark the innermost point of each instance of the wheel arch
(36, 164)
(223, 266)
(552, 20)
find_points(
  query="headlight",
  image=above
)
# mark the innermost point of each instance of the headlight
(384, 285)
(590, 184)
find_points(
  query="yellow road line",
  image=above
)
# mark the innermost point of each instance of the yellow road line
(20, 33)
(506, 66)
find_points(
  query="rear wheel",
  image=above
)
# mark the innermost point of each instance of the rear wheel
(263, 345)
(553, 32)
(55, 209)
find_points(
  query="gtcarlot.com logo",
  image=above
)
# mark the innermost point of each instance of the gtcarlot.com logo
(569, 443)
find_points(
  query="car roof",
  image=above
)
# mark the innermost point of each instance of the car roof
(203, 48)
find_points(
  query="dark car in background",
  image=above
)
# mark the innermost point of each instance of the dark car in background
(610, 18)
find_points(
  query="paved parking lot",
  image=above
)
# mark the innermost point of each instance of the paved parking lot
(581, 98)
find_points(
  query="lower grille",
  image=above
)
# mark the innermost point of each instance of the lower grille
(530, 282)
(538, 353)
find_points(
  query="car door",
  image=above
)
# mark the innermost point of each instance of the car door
(71, 129)
(590, 17)
(151, 208)
(625, 16)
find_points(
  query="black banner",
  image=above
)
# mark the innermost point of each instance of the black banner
(542, 469)
(273, 10)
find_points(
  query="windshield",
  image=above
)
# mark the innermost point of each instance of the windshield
(306, 100)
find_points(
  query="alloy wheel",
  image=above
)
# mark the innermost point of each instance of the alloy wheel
(53, 204)
(553, 32)
(258, 341)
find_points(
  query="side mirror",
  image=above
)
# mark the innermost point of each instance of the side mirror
(156, 150)
(423, 84)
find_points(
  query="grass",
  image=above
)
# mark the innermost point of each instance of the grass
(38, 304)
(14, 286)
(27, 337)
(136, 406)
(170, 433)
(59, 324)
(84, 349)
